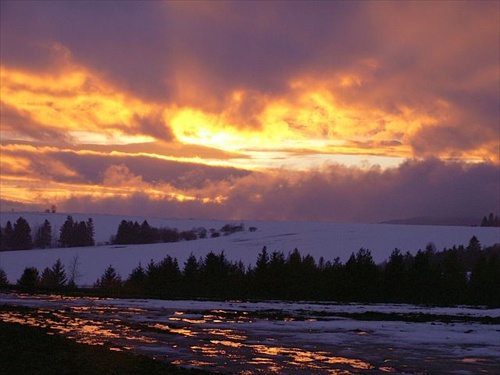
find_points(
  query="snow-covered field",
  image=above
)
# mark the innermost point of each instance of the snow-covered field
(277, 337)
(327, 240)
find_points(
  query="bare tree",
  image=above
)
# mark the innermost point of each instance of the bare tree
(74, 271)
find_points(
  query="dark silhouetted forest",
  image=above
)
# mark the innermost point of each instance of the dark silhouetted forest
(490, 221)
(81, 233)
(72, 234)
(459, 275)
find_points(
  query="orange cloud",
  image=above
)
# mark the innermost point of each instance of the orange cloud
(77, 104)
(208, 96)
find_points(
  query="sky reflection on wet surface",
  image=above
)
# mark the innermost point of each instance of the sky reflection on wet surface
(234, 340)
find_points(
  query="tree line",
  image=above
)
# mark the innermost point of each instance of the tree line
(131, 232)
(72, 234)
(459, 275)
(490, 220)
(18, 236)
(54, 277)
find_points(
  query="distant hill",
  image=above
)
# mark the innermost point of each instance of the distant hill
(432, 220)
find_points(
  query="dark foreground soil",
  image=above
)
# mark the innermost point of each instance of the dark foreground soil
(32, 350)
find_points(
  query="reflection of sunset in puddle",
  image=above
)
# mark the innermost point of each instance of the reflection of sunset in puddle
(179, 331)
(222, 345)
(267, 363)
(387, 369)
(472, 360)
(304, 356)
(260, 341)
(231, 344)
(84, 331)
(208, 350)
(228, 333)
(193, 363)
(189, 321)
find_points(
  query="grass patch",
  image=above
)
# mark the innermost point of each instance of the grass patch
(33, 350)
(302, 315)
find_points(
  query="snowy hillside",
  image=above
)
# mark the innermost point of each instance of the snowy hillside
(328, 240)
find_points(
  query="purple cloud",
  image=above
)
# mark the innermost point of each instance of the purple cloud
(416, 188)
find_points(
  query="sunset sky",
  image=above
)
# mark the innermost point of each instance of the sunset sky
(335, 111)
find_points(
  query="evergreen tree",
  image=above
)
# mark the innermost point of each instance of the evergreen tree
(310, 279)
(43, 236)
(3, 278)
(213, 273)
(8, 236)
(259, 286)
(164, 278)
(191, 275)
(237, 281)
(491, 221)
(59, 274)
(122, 235)
(424, 278)
(66, 237)
(30, 278)
(294, 275)
(168, 275)
(54, 277)
(135, 233)
(21, 237)
(80, 234)
(484, 285)
(191, 268)
(361, 277)
(128, 233)
(276, 270)
(332, 280)
(2, 239)
(137, 279)
(262, 263)
(294, 262)
(109, 280)
(47, 278)
(395, 277)
(77, 233)
(170, 267)
(474, 244)
(484, 222)
(453, 278)
(89, 238)
(146, 233)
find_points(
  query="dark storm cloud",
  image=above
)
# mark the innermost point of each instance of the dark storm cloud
(125, 42)
(142, 46)
(427, 188)
(153, 124)
(416, 188)
(260, 46)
